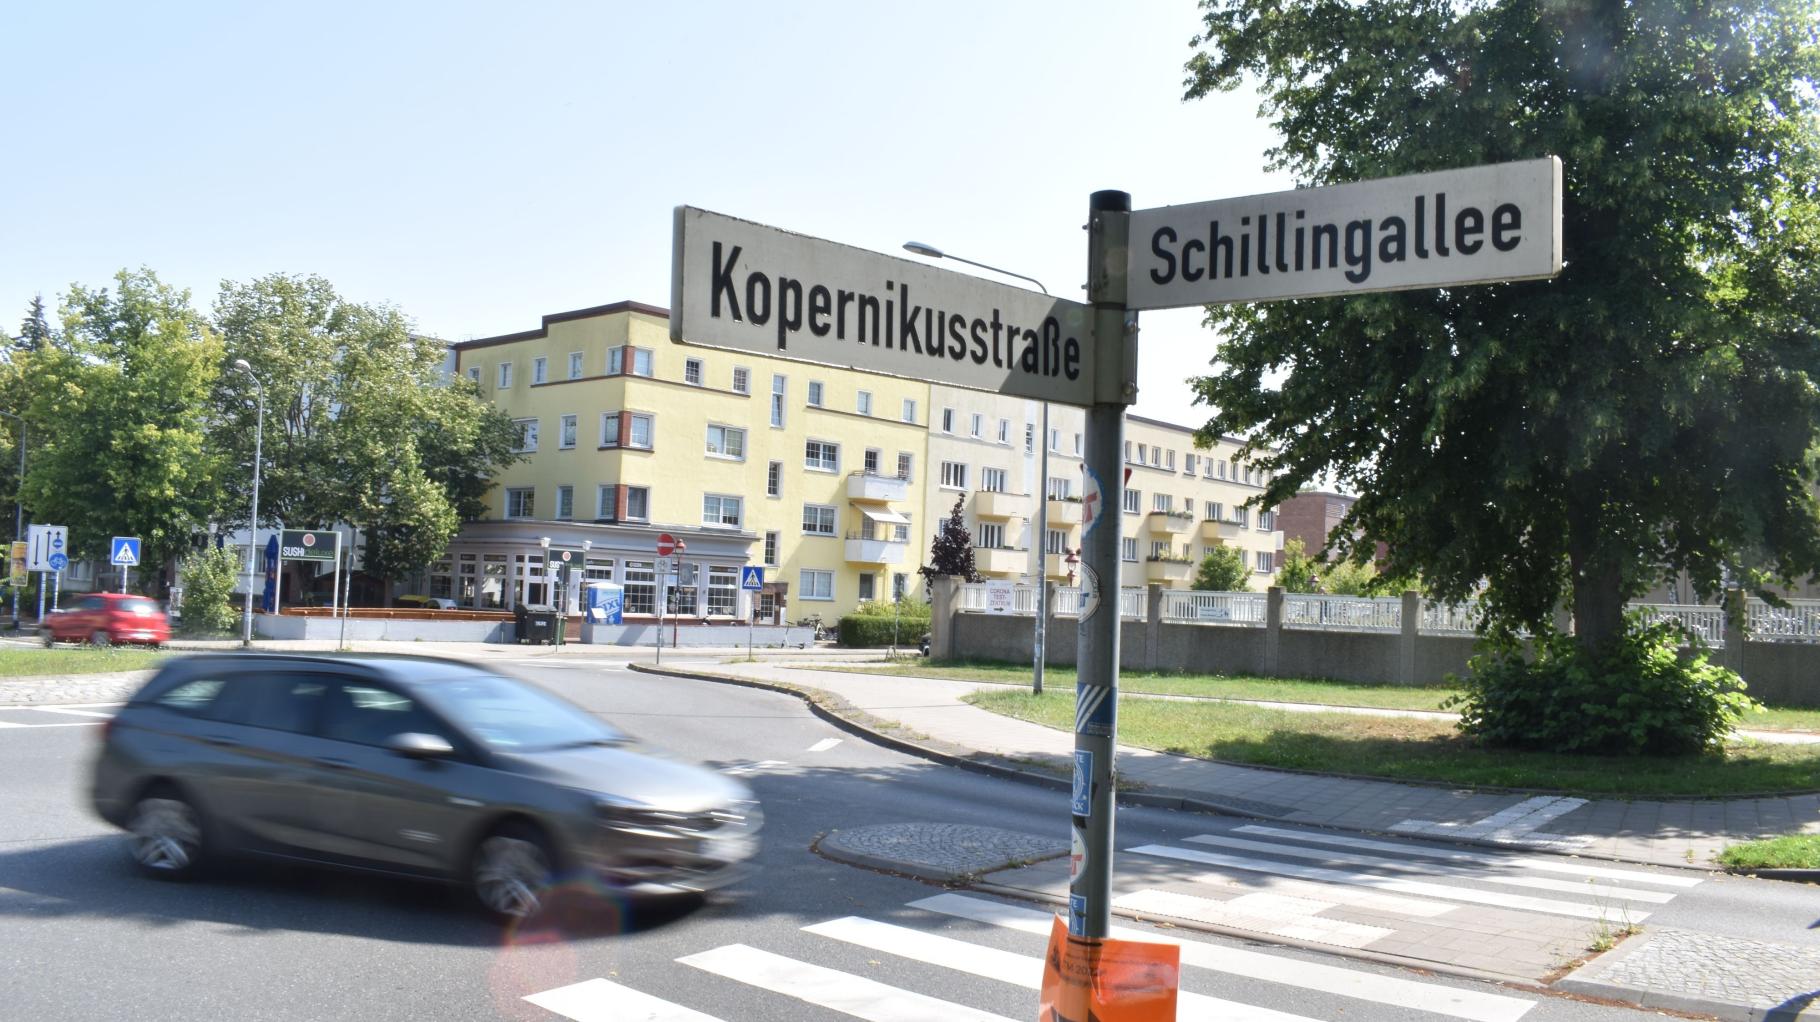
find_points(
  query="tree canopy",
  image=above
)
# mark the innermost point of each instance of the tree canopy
(1584, 435)
(951, 551)
(1222, 570)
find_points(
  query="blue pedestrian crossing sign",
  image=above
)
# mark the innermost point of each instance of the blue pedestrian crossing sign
(752, 578)
(126, 551)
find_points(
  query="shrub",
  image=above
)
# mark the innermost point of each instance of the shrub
(872, 630)
(208, 585)
(910, 606)
(1642, 695)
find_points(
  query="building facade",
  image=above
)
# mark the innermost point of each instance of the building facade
(833, 480)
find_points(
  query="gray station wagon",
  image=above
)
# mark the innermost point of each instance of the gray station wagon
(409, 765)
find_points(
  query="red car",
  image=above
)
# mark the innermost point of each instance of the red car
(104, 618)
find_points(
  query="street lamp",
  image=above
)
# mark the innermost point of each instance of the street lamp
(18, 509)
(252, 545)
(1042, 488)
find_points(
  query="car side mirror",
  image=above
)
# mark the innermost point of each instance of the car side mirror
(420, 746)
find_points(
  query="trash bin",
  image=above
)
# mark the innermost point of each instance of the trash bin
(536, 623)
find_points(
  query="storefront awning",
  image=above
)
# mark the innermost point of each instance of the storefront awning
(879, 514)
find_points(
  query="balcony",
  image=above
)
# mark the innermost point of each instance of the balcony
(1001, 560)
(1171, 523)
(1221, 532)
(1168, 572)
(876, 488)
(1063, 512)
(987, 504)
(861, 550)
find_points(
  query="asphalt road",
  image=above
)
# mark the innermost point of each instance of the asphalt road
(87, 938)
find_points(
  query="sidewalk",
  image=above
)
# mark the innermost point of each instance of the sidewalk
(1664, 832)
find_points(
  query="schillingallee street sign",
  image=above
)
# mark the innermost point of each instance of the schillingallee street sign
(1452, 227)
(740, 285)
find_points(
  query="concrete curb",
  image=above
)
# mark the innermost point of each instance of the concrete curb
(1799, 876)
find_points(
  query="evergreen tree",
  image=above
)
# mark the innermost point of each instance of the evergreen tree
(35, 331)
(951, 552)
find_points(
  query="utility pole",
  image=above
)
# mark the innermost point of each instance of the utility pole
(1096, 690)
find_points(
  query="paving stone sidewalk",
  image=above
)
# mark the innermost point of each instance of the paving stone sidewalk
(1707, 975)
(1660, 831)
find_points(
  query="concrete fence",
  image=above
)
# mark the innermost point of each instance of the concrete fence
(1395, 640)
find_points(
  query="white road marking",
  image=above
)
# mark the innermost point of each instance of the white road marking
(1284, 917)
(71, 713)
(824, 745)
(599, 1000)
(1364, 986)
(1574, 868)
(743, 769)
(1465, 872)
(1021, 970)
(73, 723)
(1516, 824)
(1547, 906)
(829, 988)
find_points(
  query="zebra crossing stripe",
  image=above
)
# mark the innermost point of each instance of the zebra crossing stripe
(1365, 986)
(830, 988)
(599, 1000)
(1285, 917)
(1022, 970)
(1536, 883)
(70, 712)
(1547, 906)
(1483, 858)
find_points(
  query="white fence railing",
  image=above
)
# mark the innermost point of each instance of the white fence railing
(1798, 622)
(1218, 608)
(1347, 613)
(1707, 623)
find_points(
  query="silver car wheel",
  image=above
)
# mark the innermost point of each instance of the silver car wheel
(509, 876)
(166, 835)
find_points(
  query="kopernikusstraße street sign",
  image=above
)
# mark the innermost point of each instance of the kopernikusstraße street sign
(1475, 225)
(745, 286)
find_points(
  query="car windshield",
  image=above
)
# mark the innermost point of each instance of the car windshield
(505, 714)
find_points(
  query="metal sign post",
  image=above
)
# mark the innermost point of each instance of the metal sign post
(342, 643)
(751, 580)
(335, 603)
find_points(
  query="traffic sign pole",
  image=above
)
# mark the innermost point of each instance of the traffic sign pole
(1096, 691)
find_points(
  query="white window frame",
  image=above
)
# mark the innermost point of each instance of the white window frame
(1128, 549)
(540, 370)
(714, 508)
(566, 433)
(1133, 501)
(576, 363)
(909, 414)
(742, 380)
(773, 542)
(993, 480)
(817, 394)
(527, 495)
(650, 422)
(992, 536)
(565, 495)
(774, 479)
(692, 367)
(948, 420)
(505, 376)
(976, 425)
(808, 590)
(832, 515)
(780, 386)
(726, 443)
(630, 515)
(528, 434)
(474, 374)
(906, 465)
(821, 463)
(953, 475)
(863, 402)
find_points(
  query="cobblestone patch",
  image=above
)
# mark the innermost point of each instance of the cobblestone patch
(938, 851)
(74, 688)
(1725, 976)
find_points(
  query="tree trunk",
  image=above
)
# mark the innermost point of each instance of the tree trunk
(1598, 588)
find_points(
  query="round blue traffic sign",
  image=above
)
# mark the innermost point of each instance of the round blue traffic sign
(59, 562)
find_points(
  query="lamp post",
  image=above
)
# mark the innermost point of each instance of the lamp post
(1042, 488)
(18, 509)
(252, 545)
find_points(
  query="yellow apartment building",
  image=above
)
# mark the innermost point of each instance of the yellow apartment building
(812, 472)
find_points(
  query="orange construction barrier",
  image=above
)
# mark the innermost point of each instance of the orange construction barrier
(1088, 980)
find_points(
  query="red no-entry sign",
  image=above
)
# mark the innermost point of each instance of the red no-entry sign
(666, 544)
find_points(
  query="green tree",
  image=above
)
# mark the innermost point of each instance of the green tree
(1352, 578)
(208, 577)
(951, 551)
(1296, 571)
(1581, 436)
(361, 427)
(119, 410)
(1223, 570)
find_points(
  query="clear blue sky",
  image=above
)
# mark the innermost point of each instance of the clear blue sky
(481, 165)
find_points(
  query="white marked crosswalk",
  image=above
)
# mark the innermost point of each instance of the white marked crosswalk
(92, 714)
(927, 936)
(824, 745)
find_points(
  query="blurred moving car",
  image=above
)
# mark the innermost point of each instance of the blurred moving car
(410, 765)
(426, 602)
(107, 618)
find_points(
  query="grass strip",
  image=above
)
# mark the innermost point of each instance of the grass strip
(26, 663)
(1400, 748)
(1794, 851)
(1221, 686)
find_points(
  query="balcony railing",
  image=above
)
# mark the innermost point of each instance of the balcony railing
(864, 550)
(870, 486)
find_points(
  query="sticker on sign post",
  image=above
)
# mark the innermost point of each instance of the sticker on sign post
(1083, 783)
(1077, 852)
(1107, 979)
(1093, 710)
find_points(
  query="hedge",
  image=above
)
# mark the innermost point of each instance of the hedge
(869, 630)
